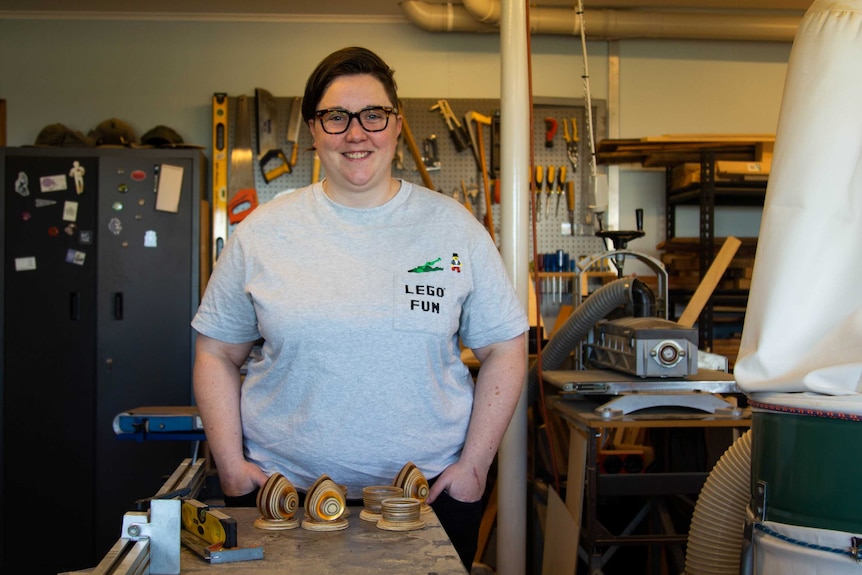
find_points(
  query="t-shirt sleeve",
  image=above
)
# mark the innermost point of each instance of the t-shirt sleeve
(492, 312)
(227, 311)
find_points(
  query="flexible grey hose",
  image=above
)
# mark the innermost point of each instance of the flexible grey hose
(600, 303)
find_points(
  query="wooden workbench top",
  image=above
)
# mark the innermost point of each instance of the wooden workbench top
(361, 548)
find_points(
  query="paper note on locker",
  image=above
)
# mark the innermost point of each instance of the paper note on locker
(170, 186)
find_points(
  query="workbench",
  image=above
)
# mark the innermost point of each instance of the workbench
(358, 549)
(361, 548)
(588, 418)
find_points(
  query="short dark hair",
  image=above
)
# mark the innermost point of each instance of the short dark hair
(346, 62)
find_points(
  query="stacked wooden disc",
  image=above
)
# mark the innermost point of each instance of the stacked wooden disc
(324, 506)
(413, 484)
(372, 500)
(277, 502)
(343, 489)
(400, 514)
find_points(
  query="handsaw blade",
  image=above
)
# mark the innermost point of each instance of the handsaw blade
(270, 156)
(267, 121)
(241, 165)
(293, 128)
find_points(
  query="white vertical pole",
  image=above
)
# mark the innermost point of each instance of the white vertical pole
(514, 246)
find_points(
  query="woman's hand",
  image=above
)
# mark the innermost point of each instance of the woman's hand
(241, 479)
(461, 481)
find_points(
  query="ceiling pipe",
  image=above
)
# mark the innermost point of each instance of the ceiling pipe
(607, 24)
(443, 17)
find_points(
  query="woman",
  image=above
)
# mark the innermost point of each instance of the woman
(361, 288)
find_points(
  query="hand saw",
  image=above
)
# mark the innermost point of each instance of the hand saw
(293, 128)
(242, 198)
(271, 159)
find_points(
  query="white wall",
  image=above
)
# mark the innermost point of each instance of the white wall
(80, 72)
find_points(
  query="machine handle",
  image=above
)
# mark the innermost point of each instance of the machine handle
(118, 305)
(75, 306)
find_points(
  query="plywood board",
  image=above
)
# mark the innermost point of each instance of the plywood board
(560, 555)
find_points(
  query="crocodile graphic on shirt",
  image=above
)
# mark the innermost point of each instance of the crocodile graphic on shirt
(427, 267)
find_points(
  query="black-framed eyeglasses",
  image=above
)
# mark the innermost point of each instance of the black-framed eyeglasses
(372, 119)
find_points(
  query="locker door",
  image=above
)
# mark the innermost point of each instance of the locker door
(49, 345)
(144, 314)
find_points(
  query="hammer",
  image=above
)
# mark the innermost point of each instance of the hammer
(480, 120)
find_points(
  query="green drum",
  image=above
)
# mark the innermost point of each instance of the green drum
(810, 468)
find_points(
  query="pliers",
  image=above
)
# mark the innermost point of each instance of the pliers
(571, 142)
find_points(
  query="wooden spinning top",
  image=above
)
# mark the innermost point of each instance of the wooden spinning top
(277, 502)
(324, 506)
(372, 499)
(400, 514)
(414, 485)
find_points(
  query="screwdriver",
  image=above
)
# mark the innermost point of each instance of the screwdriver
(570, 198)
(540, 174)
(561, 183)
(549, 182)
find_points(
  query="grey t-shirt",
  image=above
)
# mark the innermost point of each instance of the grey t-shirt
(361, 311)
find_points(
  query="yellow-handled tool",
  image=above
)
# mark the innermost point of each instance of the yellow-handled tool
(569, 227)
(539, 182)
(549, 184)
(211, 525)
(561, 185)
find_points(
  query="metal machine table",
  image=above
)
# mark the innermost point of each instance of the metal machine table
(586, 420)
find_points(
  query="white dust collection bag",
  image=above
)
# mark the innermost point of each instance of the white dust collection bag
(802, 338)
(800, 359)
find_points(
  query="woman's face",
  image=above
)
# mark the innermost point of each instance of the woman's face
(357, 163)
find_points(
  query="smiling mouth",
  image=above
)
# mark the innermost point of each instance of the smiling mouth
(356, 155)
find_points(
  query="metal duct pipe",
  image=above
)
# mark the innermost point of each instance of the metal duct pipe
(484, 16)
(442, 17)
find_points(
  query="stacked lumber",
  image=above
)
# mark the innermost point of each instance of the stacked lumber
(673, 149)
(681, 258)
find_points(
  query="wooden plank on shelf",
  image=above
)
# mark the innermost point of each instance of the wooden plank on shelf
(709, 282)
(662, 151)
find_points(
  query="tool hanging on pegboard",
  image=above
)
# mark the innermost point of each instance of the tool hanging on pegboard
(456, 130)
(241, 193)
(270, 157)
(219, 173)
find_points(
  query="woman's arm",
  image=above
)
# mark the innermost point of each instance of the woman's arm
(498, 388)
(217, 385)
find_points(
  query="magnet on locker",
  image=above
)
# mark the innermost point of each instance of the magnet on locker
(56, 183)
(70, 211)
(115, 226)
(151, 239)
(77, 174)
(22, 184)
(76, 257)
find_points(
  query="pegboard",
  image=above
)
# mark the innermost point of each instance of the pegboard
(457, 167)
